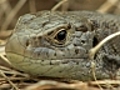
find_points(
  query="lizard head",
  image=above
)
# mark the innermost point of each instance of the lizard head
(50, 39)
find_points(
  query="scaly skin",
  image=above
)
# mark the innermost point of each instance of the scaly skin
(56, 44)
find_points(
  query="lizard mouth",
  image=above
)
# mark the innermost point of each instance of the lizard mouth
(18, 58)
(49, 68)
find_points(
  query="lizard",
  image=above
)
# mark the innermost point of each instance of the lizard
(56, 44)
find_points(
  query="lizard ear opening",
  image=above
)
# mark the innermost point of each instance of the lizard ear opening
(95, 41)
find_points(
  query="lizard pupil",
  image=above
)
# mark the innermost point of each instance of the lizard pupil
(61, 35)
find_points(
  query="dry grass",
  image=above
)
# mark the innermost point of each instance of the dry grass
(11, 79)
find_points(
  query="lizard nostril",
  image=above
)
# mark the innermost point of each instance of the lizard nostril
(39, 37)
(27, 43)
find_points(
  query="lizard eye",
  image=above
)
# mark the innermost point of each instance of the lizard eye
(61, 35)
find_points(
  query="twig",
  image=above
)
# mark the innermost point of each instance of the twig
(16, 88)
(102, 82)
(107, 5)
(93, 66)
(117, 10)
(2, 1)
(94, 50)
(5, 59)
(58, 5)
(12, 14)
(32, 6)
(5, 8)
